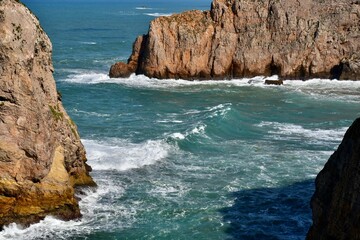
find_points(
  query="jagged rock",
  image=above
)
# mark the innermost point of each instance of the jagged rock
(41, 156)
(336, 201)
(241, 38)
(123, 70)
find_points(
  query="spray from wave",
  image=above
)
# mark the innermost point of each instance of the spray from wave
(347, 91)
(98, 215)
(287, 131)
(159, 14)
(100, 207)
(121, 155)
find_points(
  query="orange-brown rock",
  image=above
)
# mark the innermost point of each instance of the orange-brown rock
(123, 70)
(242, 38)
(336, 201)
(41, 156)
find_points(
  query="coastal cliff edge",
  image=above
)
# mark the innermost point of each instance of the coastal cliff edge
(241, 38)
(42, 158)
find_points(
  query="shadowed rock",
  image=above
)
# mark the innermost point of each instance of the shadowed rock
(336, 201)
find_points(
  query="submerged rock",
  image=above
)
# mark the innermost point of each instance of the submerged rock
(336, 201)
(41, 156)
(240, 38)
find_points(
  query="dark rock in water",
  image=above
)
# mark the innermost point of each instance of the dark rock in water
(336, 201)
(274, 82)
(239, 38)
(41, 156)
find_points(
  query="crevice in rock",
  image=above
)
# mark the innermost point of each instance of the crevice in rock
(142, 54)
(336, 71)
(274, 69)
(316, 33)
(31, 154)
(35, 180)
(5, 99)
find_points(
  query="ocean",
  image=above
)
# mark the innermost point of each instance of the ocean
(175, 159)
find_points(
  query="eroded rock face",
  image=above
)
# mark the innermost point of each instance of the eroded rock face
(336, 202)
(243, 38)
(41, 156)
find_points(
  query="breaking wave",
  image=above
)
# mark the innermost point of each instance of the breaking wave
(121, 155)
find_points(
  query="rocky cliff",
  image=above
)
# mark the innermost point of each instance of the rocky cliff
(336, 202)
(242, 38)
(41, 156)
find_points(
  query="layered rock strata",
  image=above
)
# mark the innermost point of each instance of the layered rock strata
(243, 38)
(336, 201)
(41, 156)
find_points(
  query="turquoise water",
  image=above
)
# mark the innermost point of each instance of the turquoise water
(184, 160)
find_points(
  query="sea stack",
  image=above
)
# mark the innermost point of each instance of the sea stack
(336, 201)
(240, 38)
(41, 156)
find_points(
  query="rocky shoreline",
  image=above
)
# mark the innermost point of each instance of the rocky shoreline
(42, 159)
(240, 38)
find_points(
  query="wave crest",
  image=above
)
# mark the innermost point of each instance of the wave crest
(121, 155)
(287, 131)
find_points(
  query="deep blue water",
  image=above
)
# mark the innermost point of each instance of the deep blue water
(184, 160)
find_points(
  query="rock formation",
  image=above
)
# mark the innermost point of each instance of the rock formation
(336, 202)
(41, 156)
(242, 38)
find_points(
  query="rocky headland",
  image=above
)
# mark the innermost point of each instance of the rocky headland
(241, 38)
(336, 201)
(41, 156)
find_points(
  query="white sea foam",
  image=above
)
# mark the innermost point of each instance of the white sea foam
(220, 110)
(168, 190)
(45, 229)
(87, 77)
(121, 155)
(293, 131)
(159, 14)
(143, 81)
(169, 121)
(198, 130)
(89, 43)
(143, 8)
(317, 88)
(325, 88)
(96, 114)
(178, 136)
(97, 215)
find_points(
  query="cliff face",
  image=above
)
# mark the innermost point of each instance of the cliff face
(242, 38)
(336, 202)
(41, 156)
